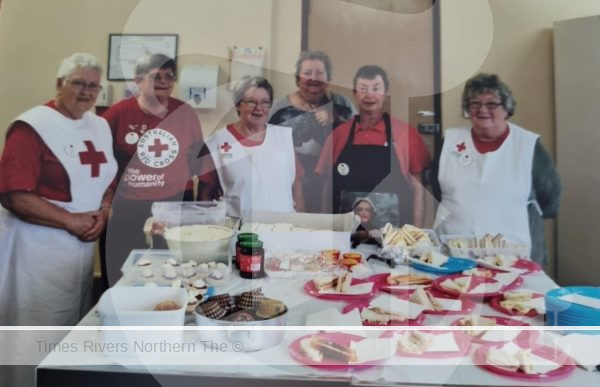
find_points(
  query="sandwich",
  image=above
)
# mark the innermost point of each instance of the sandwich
(415, 342)
(408, 279)
(423, 297)
(377, 315)
(309, 351)
(475, 321)
(433, 258)
(522, 302)
(325, 282)
(501, 260)
(485, 273)
(500, 358)
(343, 283)
(332, 350)
(459, 284)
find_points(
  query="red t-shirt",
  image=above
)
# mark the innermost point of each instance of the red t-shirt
(410, 149)
(489, 146)
(174, 150)
(209, 176)
(28, 164)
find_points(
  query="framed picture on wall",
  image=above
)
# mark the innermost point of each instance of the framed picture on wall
(124, 50)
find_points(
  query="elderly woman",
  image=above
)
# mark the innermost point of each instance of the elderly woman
(312, 112)
(55, 186)
(375, 155)
(252, 163)
(494, 176)
(156, 140)
(367, 230)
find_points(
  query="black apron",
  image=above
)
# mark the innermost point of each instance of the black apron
(372, 171)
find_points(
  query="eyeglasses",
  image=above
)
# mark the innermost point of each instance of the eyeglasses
(476, 105)
(80, 85)
(252, 103)
(157, 77)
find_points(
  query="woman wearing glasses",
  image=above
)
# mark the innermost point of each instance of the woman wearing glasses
(156, 143)
(494, 176)
(55, 186)
(252, 163)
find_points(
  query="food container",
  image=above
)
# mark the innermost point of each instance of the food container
(133, 306)
(350, 259)
(517, 249)
(251, 340)
(199, 242)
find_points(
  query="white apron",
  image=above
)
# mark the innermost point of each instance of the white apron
(46, 273)
(257, 178)
(486, 193)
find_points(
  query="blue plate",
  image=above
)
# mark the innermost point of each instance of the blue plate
(453, 265)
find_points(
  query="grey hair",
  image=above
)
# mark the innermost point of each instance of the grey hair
(155, 61)
(488, 83)
(75, 61)
(313, 55)
(246, 83)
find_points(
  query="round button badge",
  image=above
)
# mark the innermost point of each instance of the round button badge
(465, 159)
(71, 150)
(131, 138)
(343, 169)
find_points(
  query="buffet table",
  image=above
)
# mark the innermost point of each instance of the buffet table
(274, 366)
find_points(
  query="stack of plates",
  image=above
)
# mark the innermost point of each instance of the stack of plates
(564, 312)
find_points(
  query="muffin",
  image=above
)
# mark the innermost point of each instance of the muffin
(249, 300)
(269, 308)
(212, 309)
(225, 300)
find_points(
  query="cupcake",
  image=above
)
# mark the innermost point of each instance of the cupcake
(249, 300)
(147, 273)
(216, 277)
(170, 273)
(225, 300)
(192, 263)
(241, 316)
(269, 308)
(188, 271)
(172, 261)
(144, 262)
(212, 309)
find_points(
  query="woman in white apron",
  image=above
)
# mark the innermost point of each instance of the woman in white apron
(251, 163)
(494, 176)
(56, 170)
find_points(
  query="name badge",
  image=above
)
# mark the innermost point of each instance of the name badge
(343, 169)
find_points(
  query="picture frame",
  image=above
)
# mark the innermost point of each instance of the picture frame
(124, 50)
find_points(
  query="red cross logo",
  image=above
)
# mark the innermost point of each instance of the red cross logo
(92, 157)
(461, 147)
(226, 147)
(158, 147)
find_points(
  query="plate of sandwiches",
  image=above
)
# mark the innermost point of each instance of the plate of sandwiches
(438, 263)
(340, 288)
(480, 335)
(520, 303)
(387, 310)
(338, 351)
(430, 344)
(539, 363)
(397, 283)
(439, 303)
(460, 285)
(509, 262)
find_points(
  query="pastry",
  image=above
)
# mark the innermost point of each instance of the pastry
(408, 279)
(423, 297)
(216, 277)
(225, 300)
(433, 258)
(249, 300)
(415, 342)
(241, 316)
(333, 350)
(167, 305)
(309, 351)
(213, 310)
(144, 262)
(269, 308)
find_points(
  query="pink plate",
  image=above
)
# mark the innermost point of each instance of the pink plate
(330, 364)
(526, 336)
(437, 285)
(310, 288)
(365, 303)
(544, 352)
(467, 304)
(495, 304)
(463, 341)
(381, 283)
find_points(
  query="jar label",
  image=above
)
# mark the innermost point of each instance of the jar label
(250, 263)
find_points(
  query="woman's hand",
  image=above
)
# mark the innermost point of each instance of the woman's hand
(80, 223)
(323, 117)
